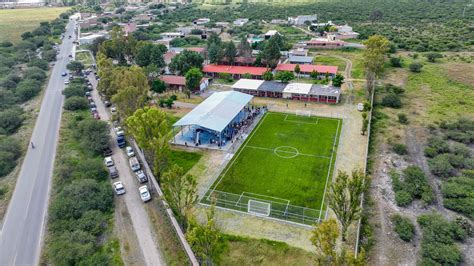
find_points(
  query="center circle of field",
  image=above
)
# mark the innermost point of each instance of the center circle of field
(287, 152)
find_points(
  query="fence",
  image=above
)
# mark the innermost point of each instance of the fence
(279, 208)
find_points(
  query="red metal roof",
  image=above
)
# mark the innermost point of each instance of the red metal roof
(175, 80)
(240, 70)
(308, 68)
(325, 42)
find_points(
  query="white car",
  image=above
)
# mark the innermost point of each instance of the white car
(108, 161)
(130, 152)
(113, 109)
(141, 177)
(119, 188)
(66, 82)
(144, 194)
(120, 133)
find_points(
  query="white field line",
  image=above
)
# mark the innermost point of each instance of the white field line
(238, 154)
(289, 152)
(329, 169)
(241, 195)
(263, 196)
(301, 122)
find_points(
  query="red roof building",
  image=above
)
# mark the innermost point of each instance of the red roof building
(307, 69)
(179, 82)
(235, 71)
(324, 44)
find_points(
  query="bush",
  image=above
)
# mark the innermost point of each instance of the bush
(74, 90)
(403, 198)
(35, 73)
(440, 166)
(226, 77)
(415, 67)
(400, 149)
(457, 193)
(403, 227)
(396, 61)
(461, 149)
(27, 89)
(40, 63)
(76, 103)
(10, 151)
(403, 119)
(438, 144)
(390, 88)
(392, 100)
(49, 55)
(10, 120)
(413, 185)
(93, 135)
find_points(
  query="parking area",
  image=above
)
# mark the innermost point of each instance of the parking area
(134, 203)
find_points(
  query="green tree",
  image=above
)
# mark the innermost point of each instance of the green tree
(374, 57)
(338, 80)
(93, 135)
(403, 227)
(268, 75)
(297, 70)
(213, 39)
(76, 103)
(74, 90)
(314, 74)
(129, 99)
(180, 192)
(10, 120)
(271, 51)
(215, 53)
(244, 48)
(285, 76)
(75, 66)
(415, 67)
(105, 72)
(193, 80)
(431, 57)
(396, 61)
(150, 54)
(230, 52)
(392, 100)
(186, 60)
(206, 240)
(150, 128)
(345, 198)
(158, 86)
(324, 238)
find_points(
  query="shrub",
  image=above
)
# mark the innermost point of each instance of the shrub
(403, 119)
(93, 135)
(396, 61)
(460, 149)
(27, 89)
(440, 166)
(76, 103)
(415, 67)
(390, 88)
(10, 120)
(74, 90)
(403, 227)
(40, 63)
(438, 144)
(35, 73)
(226, 76)
(403, 198)
(10, 151)
(400, 149)
(457, 193)
(392, 100)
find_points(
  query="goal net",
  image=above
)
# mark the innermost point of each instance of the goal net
(303, 113)
(258, 208)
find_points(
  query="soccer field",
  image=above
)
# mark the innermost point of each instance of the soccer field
(286, 161)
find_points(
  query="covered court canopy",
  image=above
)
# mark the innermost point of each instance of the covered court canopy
(217, 111)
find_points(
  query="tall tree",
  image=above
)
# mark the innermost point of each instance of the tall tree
(185, 61)
(123, 77)
(345, 197)
(268, 75)
(180, 192)
(213, 39)
(230, 52)
(324, 238)
(206, 240)
(338, 80)
(245, 50)
(75, 66)
(214, 53)
(150, 54)
(285, 76)
(150, 127)
(374, 57)
(271, 51)
(105, 70)
(129, 99)
(297, 70)
(193, 80)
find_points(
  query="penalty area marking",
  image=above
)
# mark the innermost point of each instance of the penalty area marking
(301, 122)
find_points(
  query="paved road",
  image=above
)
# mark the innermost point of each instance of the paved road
(136, 208)
(22, 231)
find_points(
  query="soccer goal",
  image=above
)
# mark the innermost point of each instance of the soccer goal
(303, 112)
(259, 208)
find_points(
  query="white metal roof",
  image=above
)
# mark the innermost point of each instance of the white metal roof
(247, 84)
(217, 111)
(298, 88)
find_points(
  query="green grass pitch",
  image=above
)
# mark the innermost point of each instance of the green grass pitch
(286, 156)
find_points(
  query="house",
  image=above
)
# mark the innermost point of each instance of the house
(179, 82)
(306, 70)
(172, 35)
(294, 91)
(90, 38)
(222, 24)
(129, 28)
(298, 52)
(240, 22)
(165, 42)
(255, 39)
(270, 34)
(302, 60)
(300, 20)
(236, 71)
(201, 21)
(324, 43)
(278, 21)
(88, 22)
(346, 32)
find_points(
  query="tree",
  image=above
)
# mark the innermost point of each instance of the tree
(431, 57)
(415, 67)
(214, 53)
(124, 77)
(150, 54)
(285, 76)
(338, 80)
(93, 135)
(230, 52)
(271, 51)
(345, 198)
(374, 55)
(392, 100)
(76, 103)
(105, 70)
(10, 120)
(245, 50)
(268, 75)
(150, 127)
(75, 66)
(376, 15)
(213, 39)
(158, 86)
(324, 238)
(396, 61)
(365, 126)
(206, 240)
(180, 192)
(74, 90)
(314, 74)
(129, 99)
(193, 80)
(186, 60)
(297, 70)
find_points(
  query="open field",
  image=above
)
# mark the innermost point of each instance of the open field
(85, 58)
(286, 161)
(14, 22)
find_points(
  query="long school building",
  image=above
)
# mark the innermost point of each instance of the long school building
(294, 91)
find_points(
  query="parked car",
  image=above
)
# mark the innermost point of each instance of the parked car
(141, 177)
(88, 93)
(108, 161)
(92, 104)
(130, 151)
(96, 116)
(113, 172)
(93, 110)
(64, 74)
(121, 141)
(113, 109)
(66, 82)
(119, 188)
(134, 164)
(144, 193)
(120, 133)
(107, 104)
(107, 152)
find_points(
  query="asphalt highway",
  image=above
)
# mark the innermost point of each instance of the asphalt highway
(22, 231)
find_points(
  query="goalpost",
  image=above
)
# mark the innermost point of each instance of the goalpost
(259, 208)
(303, 113)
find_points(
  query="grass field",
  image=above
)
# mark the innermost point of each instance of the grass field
(85, 58)
(286, 160)
(14, 22)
